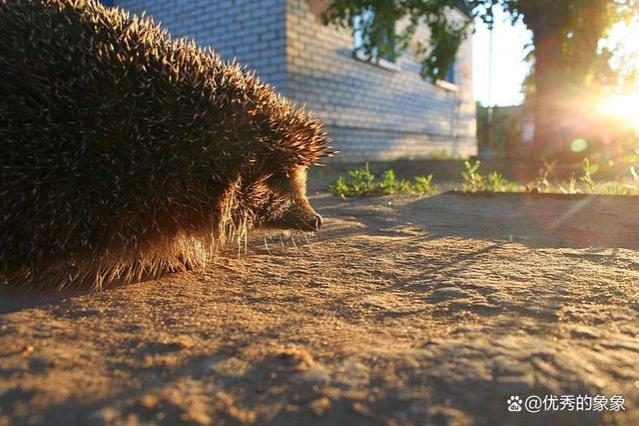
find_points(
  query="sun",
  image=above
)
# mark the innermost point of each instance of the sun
(621, 104)
(623, 108)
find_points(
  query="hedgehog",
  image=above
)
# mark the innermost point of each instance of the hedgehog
(126, 154)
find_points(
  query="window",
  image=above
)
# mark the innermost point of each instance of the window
(360, 39)
(451, 76)
(449, 82)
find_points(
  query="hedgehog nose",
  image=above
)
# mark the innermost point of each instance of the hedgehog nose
(318, 222)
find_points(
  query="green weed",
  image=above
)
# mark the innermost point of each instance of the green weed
(571, 188)
(493, 182)
(473, 180)
(362, 182)
(589, 170)
(542, 182)
(423, 185)
(391, 185)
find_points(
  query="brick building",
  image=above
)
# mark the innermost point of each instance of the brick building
(374, 111)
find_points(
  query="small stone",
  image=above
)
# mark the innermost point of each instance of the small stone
(149, 402)
(448, 416)
(314, 375)
(582, 332)
(362, 409)
(320, 406)
(298, 358)
(104, 416)
(402, 395)
(629, 331)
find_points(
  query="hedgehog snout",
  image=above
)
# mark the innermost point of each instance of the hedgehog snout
(304, 220)
(299, 216)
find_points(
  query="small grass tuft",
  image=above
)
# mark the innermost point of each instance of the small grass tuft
(362, 183)
(493, 182)
(391, 185)
(589, 170)
(473, 180)
(542, 182)
(572, 186)
(423, 185)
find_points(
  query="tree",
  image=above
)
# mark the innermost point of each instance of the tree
(566, 40)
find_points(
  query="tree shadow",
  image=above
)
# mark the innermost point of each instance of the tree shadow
(535, 220)
(598, 227)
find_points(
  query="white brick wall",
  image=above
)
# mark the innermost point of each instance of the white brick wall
(375, 113)
(250, 30)
(372, 113)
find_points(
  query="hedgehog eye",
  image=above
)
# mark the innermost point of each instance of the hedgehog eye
(280, 175)
(277, 178)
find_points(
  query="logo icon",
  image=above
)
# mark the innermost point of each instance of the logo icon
(514, 404)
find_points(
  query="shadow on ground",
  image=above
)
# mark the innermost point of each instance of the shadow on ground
(541, 220)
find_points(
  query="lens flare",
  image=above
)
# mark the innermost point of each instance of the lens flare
(622, 107)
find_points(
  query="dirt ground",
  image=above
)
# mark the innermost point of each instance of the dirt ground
(402, 311)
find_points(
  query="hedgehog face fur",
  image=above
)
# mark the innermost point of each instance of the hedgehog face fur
(288, 207)
(126, 154)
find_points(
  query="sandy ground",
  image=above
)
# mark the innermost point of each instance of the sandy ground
(402, 311)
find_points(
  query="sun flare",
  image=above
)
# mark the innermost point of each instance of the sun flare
(622, 107)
